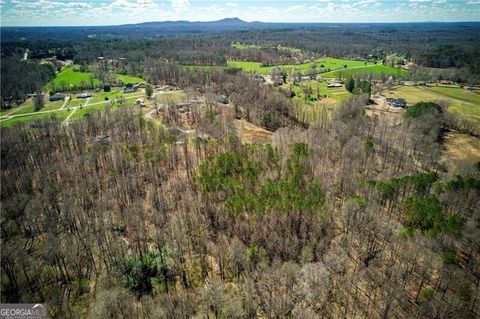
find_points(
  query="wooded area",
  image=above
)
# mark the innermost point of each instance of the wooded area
(349, 219)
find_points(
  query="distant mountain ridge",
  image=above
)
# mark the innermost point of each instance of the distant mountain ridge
(155, 29)
(225, 21)
(227, 24)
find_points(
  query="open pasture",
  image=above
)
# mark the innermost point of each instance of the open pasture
(378, 69)
(71, 77)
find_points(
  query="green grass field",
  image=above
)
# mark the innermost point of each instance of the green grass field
(70, 76)
(457, 93)
(171, 97)
(28, 107)
(204, 67)
(373, 69)
(319, 89)
(96, 103)
(321, 63)
(413, 94)
(59, 115)
(469, 109)
(100, 97)
(99, 106)
(79, 113)
(129, 78)
(243, 46)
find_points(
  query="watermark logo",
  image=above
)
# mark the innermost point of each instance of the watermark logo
(23, 311)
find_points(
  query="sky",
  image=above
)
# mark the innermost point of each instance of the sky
(113, 12)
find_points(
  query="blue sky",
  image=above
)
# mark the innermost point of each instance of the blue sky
(108, 12)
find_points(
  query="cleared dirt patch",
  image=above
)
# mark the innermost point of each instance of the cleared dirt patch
(250, 133)
(327, 101)
(459, 147)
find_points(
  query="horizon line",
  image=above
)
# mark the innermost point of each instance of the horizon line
(230, 18)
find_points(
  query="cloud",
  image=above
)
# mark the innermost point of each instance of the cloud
(137, 5)
(474, 2)
(47, 4)
(231, 4)
(180, 5)
(214, 10)
(366, 2)
(123, 4)
(331, 6)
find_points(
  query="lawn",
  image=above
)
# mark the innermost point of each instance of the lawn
(114, 94)
(126, 79)
(204, 67)
(79, 113)
(418, 94)
(6, 111)
(28, 107)
(130, 101)
(243, 46)
(59, 115)
(413, 94)
(373, 69)
(321, 63)
(320, 89)
(457, 93)
(171, 97)
(459, 147)
(101, 95)
(71, 77)
(468, 111)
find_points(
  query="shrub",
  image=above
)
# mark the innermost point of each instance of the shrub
(422, 108)
(427, 293)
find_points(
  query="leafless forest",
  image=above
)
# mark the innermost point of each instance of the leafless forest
(116, 216)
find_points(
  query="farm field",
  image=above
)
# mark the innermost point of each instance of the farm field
(315, 112)
(171, 97)
(320, 89)
(204, 67)
(324, 63)
(70, 76)
(469, 108)
(243, 46)
(457, 93)
(374, 69)
(468, 111)
(413, 94)
(126, 79)
(458, 146)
